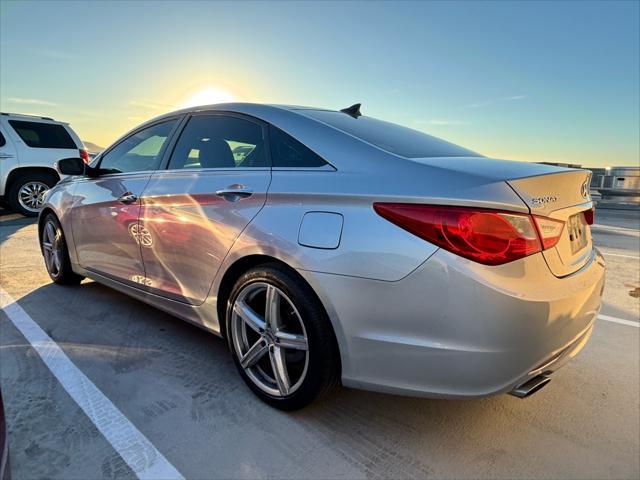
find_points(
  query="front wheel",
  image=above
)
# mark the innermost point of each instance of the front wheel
(281, 338)
(55, 253)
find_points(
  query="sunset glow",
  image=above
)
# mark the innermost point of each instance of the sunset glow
(208, 96)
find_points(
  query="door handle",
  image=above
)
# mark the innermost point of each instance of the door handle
(233, 193)
(6, 155)
(128, 198)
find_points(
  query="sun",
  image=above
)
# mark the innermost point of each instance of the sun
(208, 96)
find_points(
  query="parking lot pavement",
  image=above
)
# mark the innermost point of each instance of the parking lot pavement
(177, 385)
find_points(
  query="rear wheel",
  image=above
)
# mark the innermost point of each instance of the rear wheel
(56, 255)
(27, 191)
(281, 339)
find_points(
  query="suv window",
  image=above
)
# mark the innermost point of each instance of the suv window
(139, 152)
(3, 142)
(390, 137)
(289, 152)
(219, 141)
(43, 135)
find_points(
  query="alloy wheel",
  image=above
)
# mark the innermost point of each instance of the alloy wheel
(52, 248)
(31, 195)
(269, 339)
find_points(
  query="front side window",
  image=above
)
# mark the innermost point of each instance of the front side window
(290, 153)
(43, 135)
(140, 152)
(219, 141)
(3, 142)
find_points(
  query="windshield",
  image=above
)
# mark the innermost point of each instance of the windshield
(390, 137)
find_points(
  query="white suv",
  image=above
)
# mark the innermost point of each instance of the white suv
(29, 148)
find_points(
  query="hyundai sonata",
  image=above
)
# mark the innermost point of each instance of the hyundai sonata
(327, 246)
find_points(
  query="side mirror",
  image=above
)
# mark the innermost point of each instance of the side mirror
(71, 166)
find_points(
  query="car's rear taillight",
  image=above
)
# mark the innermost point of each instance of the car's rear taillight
(491, 237)
(549, 230)
(590, 216)
(84, 155)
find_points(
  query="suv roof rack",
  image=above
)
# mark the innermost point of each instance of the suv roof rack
(26, 115)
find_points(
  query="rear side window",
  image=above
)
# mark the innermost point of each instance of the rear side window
(219, 141)
(3, 142)
(43, 135)
(390, 137)
(286, 151)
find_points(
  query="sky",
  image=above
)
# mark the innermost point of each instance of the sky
(539, 81)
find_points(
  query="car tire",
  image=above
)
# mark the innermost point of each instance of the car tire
(53, 244)
(36, 182)
(308, 373)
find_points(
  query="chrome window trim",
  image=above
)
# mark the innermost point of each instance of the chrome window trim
(327, 167)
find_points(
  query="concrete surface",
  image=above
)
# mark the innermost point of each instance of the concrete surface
(178, 386)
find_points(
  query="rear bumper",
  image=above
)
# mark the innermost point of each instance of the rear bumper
(455, 328)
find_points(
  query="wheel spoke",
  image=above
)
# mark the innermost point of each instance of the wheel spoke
(292, 340)
(272, 308)
(47, 246)
(250, 317)
(279, 366)
(56, 260)
(51, 233)
(254, 354)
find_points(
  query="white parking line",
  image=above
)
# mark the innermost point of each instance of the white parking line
(621, 255)
(134, 448)
(621, 321)
(622, 230)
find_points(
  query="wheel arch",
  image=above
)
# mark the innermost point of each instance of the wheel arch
(19, 171)
(245, 263)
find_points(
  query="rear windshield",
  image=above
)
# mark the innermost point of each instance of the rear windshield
(390, 137)
(43, 135)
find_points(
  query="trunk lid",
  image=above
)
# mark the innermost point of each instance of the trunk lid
(562, 195)
(547, 191)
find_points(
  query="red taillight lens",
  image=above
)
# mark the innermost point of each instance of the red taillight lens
(549, 230)
(490, 237)
(84, 155)
(590, 216)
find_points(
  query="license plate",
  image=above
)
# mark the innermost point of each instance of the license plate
(577, 232)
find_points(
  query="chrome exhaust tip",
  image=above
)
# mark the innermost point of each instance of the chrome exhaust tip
(530, 387)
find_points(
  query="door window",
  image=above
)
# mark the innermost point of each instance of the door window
(140, 152)
(219, 141)
(3, 142)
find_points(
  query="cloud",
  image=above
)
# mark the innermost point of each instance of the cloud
(443, 122)
(54, 54)
(30, 101)
(448, 122)
(515, 97)
(486, 103)
(151, 105)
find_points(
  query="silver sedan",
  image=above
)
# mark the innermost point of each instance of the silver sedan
(327, 246)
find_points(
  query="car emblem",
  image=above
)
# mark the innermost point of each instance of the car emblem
(540, 201)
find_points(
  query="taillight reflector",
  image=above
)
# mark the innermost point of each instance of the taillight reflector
(590, 216)
(491, 237)
(84, 155)
(549, 230)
